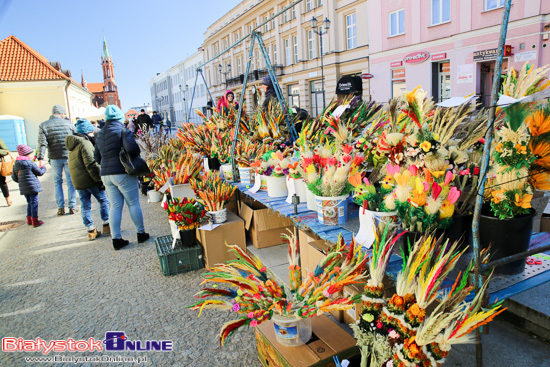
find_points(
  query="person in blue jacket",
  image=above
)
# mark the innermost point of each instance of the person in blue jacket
(25, 173)
(120, 186)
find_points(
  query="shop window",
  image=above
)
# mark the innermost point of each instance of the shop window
(351, 31)
(293, 95)
(441, 11)
(493, 4)
(397, 23)
(316, 87)
(398, 83)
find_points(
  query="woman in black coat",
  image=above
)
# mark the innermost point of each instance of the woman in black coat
(4, 151)
(120, 186)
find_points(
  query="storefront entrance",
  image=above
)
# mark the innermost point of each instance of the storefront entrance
(486, 73)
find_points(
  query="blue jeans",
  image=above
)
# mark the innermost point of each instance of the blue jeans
(86, 205)
(32, 205)
(58, 165)
(121, 188)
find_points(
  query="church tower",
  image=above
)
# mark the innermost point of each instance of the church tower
(110, 90)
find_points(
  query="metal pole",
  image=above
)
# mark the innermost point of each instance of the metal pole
(484, 166)
(193, 94)
(322, 68)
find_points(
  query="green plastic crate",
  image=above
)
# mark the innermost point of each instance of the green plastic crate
(177, 261)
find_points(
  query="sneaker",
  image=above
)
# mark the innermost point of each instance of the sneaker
(92, 235)
(61, 211)
(142, 237)
(106, 229)
(119, 243)
(73, 210)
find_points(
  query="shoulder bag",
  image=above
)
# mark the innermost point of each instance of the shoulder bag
(7, 165)
(134, 166)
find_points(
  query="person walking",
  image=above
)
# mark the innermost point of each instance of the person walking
(144, 121)
(120, 186)
(85, 176)
(269, 93)
(157, 121)
(51, 135)
(4, 151)
(25, 173)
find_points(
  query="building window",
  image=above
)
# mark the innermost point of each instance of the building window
(271, 15)
(319, 3)
(295, 45)
(311, 44)
(274, 53)
(266, 25)
(293, 12)
(288, 56)
(285, 15)
(444, 81)
(441, 11)
(351, 31)
(293, 95)
(239, 66)
(316, 97)
(398, 83)
(397, 23)
(308, 5)
(493, 4)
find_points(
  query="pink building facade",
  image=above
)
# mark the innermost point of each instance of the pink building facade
(448, 46)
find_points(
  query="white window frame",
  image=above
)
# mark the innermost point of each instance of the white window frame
(311, 45)
(293, 13)
(274, 47)
(441, 21)
(351, 31)
(295, 48)
(285, 15)
(288, 54)
(271, 15)
(308, 6)
(319, 3)
(239, 66)
(397, 19)
(293, 97)
(499, 4)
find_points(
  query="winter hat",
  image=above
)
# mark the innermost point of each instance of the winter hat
(23, 149)
(58, 110)
(84, 126)
(267, 81)
(112, 112)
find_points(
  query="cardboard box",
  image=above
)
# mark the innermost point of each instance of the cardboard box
(304, 238)
(328, 339)
(213, 242)
(544, 223)
(354, 313)
(265, 227)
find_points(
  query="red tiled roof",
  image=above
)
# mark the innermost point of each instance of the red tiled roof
(20, 62)
(95, 87)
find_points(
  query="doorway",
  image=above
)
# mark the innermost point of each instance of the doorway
(486, 74)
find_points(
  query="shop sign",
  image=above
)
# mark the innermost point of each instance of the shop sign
(441, 56)
(525, 56)
(396, 64)
(489, 54)
(367, 76)
(398, 73)
(417, 57)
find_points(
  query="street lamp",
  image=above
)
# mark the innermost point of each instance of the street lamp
(324, 29)
(184, 93)
(220, 67)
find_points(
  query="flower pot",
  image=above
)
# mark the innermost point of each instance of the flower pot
(263, 185)
(244, 173)
(369, 221)
(154, 196)
(506, 237)
(301, 190)
(214, 164)
(310, 198)
(291, 331)
(187, 238)
(227, 171)
(219, 216)
(332, 210)
(276, 187)
(459, 230)
(144, 187)
(182, 191)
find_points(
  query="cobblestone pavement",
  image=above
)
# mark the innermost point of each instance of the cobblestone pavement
(54, 284)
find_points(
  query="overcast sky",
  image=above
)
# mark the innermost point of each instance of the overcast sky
(143, 37)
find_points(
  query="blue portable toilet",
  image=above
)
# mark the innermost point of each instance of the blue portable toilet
(12, 131)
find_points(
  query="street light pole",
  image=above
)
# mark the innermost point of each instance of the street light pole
(183, 94)
(321, 32)
(220, 67)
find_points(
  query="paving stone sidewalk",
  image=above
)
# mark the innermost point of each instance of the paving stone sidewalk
(57, 285)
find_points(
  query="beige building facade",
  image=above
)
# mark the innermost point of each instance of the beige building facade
(293, 47)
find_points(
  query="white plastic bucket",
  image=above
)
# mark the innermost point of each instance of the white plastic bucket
(369, 222)
(291, 331)
(244, 172)
(219, 216)
(154, 196)
(333, 210)
(276, 187)
(227, 171)
(263, 185)
(301, 190)
(182, 191)
(310, 198)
